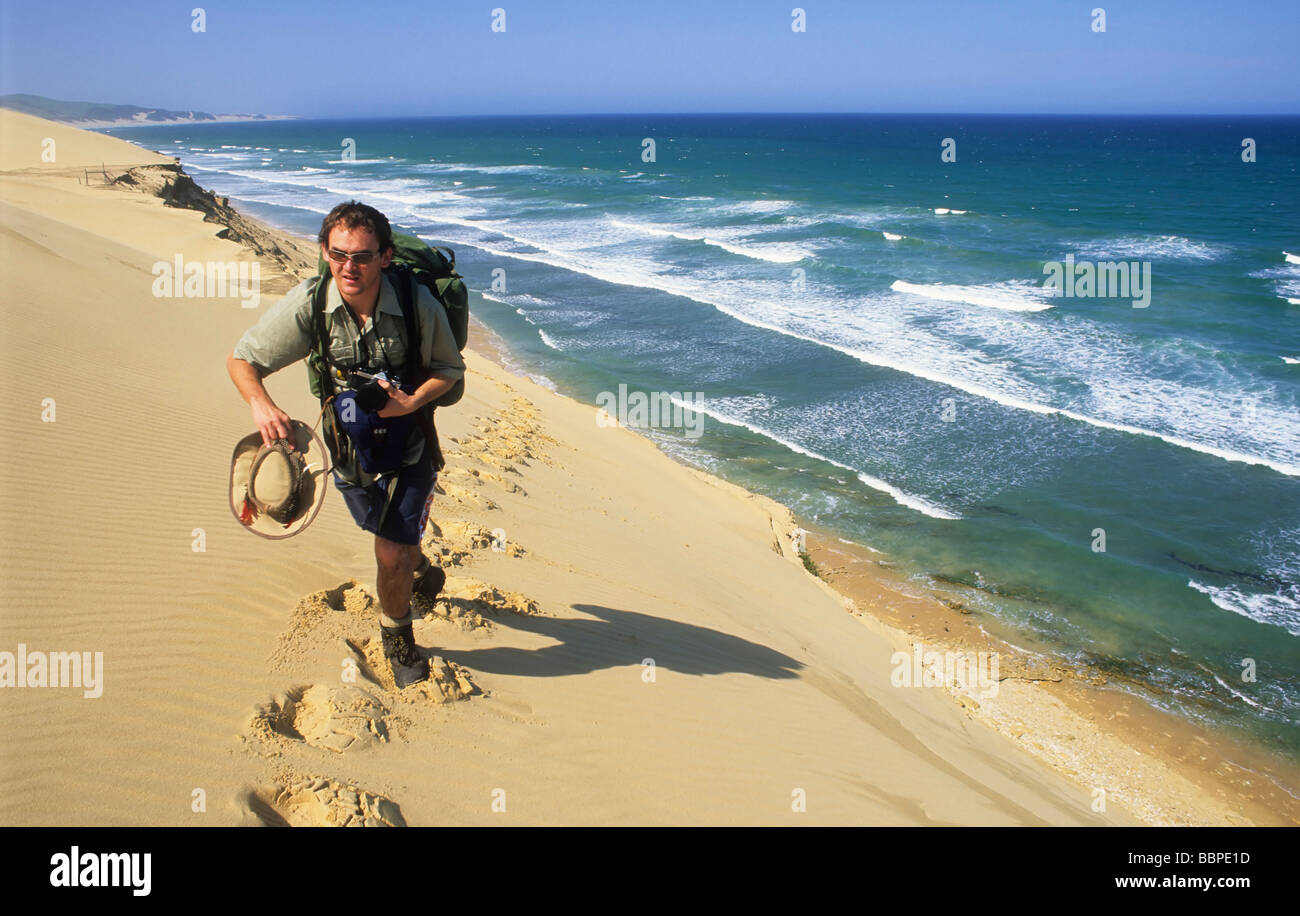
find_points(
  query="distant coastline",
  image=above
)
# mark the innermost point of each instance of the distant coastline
(90, 115)
(143, 122)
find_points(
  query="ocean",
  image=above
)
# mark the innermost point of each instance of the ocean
(865, 310)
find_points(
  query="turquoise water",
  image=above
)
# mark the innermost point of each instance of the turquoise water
(898, 373)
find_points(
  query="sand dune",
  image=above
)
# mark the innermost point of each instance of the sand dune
(622, 640)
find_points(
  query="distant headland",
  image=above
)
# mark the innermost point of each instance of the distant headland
(103, 114)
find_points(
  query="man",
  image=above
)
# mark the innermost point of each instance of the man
(367, 332)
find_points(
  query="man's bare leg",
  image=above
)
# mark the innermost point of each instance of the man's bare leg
(397, 564)
(417, 558)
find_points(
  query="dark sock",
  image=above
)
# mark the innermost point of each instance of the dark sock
(391, 624)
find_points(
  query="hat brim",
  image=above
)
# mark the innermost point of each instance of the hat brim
(316, 460)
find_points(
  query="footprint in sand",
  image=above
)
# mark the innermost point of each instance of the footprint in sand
(447, 683)
(487, 452)
(337, 719)
(467, 597)
(506, 438)
(346, 606)
(440, 549)
(466, 477)
(321, 802)
(349, 597)
(452, 541)
(471, 604)
(346, 617)
(465, 495)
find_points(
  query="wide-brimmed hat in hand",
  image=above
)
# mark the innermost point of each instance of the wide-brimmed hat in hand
(276, 491)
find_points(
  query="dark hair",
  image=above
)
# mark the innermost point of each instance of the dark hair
(353, 215)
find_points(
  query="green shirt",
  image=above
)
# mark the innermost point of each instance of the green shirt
(282, 336)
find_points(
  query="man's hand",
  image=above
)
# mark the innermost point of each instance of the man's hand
(271, 421)
(399, 402)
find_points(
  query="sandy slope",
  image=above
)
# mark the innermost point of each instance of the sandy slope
(23, 146)
(227, 669)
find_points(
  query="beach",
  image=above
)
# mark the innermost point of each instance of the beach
(623, 639)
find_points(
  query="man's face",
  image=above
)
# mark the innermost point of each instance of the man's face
(357, 282)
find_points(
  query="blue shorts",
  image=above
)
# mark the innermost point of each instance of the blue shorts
(407, 511)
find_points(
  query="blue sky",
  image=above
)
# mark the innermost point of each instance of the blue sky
(359, 58)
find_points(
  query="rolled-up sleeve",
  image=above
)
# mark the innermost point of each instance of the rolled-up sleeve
(282, 336)
(438, 344)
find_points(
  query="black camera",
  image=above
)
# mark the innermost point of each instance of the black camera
(371, 396)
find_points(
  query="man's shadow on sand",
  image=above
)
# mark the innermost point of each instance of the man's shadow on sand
(617, 639)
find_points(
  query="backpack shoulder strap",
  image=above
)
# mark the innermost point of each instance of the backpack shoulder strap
(404, 283)
(319, 333)
(408, 297)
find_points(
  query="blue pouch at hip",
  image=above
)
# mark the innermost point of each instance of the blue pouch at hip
(380, 442)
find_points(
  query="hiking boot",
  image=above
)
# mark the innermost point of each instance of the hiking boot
(409, 666)
(429, 580)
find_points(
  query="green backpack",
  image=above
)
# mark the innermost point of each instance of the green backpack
(413, 263)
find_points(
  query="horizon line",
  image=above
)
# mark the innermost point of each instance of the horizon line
(261, 116)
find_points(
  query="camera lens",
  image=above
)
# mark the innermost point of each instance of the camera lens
(371, 397)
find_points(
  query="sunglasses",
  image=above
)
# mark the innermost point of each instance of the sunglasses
(359, 258)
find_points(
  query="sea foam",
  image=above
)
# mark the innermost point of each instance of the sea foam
(994, 296)
(1153, 247)
(779, 253)
(911, 501)
(1273, 609)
